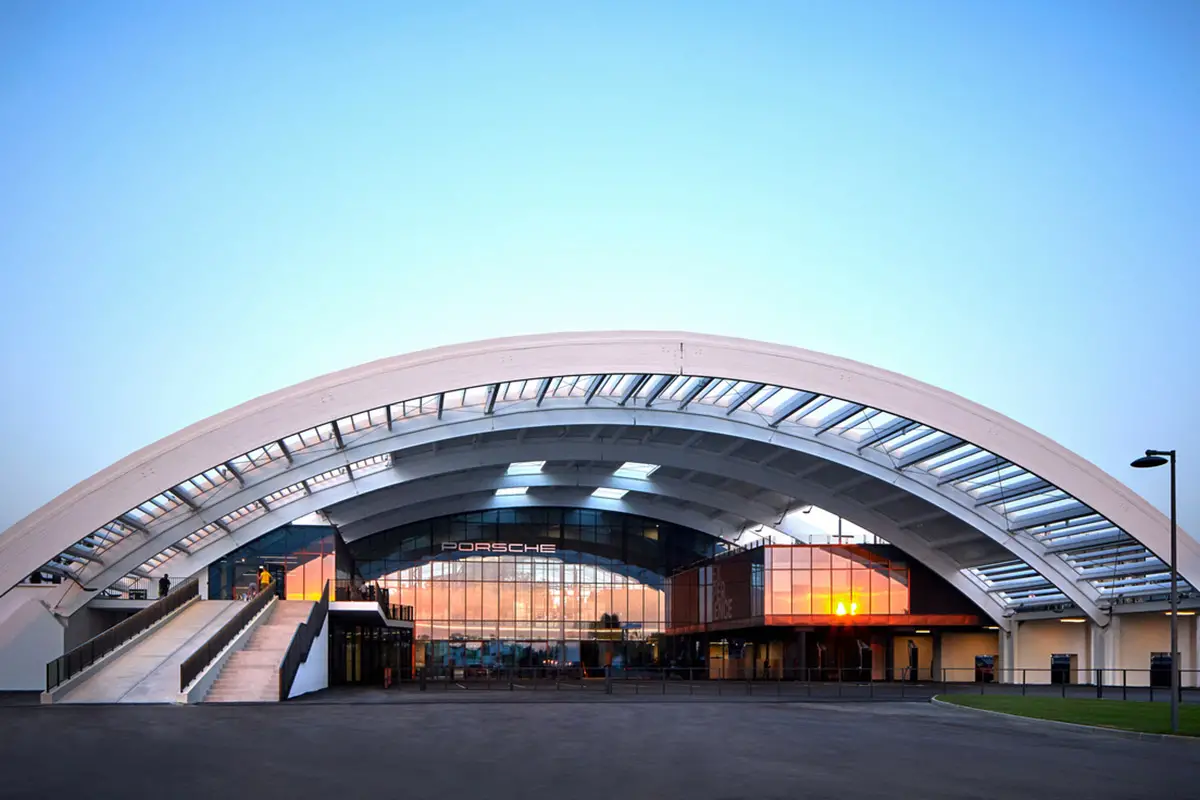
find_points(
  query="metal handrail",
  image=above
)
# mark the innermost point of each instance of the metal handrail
(346, 589)
(207, 653)
(301, 644)
(75, 661)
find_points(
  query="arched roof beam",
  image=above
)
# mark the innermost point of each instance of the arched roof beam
(830, 449)
(451, 461)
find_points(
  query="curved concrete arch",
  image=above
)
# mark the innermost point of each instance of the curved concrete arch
(57, 526)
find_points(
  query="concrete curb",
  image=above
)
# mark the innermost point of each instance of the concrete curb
(1094, 729)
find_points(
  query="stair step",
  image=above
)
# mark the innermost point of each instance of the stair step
(252, 673)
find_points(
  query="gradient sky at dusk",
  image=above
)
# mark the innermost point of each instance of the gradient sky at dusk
(203, 202)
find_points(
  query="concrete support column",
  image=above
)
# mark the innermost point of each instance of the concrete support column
(1008, 655)
(1016, 651)
(1105, 651)
(936, 662)
(1191, 678)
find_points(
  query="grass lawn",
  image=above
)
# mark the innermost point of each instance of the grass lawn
(1123, 714)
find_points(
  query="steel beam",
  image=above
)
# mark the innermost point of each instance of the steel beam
(794, 404)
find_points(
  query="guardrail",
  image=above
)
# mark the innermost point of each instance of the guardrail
(190, 669)
(848, 683)
(298, 650)
(1075, 682)
(70, 664)
(371, 592)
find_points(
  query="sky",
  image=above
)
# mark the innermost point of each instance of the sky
(201, 202)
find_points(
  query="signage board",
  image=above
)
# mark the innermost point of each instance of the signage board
(499, 547)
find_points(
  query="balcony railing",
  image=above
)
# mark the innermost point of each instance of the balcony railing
(348, 590)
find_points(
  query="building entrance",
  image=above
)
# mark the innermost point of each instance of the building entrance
(368, 655)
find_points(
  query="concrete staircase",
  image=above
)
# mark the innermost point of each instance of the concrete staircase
(251, 675)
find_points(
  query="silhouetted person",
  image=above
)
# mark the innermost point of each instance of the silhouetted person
(164, 585)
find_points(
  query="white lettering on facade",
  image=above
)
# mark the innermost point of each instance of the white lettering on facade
(498, 547)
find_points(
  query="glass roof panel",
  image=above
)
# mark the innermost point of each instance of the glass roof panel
(635, 469)
(761, 397)
(241, 516)
(609, 494)
(866, 423)
(717, 391)
(817, 416)
(679, 387)
(327, 479)
(891, 446)
(287, 494)
(369, 466)
(768, 406)
(648, 386)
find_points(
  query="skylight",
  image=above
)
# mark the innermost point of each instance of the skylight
(610, 494)
(511, 490)
(525, 468)
(635, 469)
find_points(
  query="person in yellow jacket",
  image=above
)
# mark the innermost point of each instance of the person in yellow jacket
(264, 579)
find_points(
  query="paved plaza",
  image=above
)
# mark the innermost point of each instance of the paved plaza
(528, 747)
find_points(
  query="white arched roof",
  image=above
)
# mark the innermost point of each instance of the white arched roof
(743, 431)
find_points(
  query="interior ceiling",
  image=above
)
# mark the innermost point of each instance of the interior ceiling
(570, 482)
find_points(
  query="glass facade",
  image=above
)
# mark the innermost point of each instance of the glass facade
(584, 588)
(846, 580)
(775, 584)
(527, 598)
(300, 558)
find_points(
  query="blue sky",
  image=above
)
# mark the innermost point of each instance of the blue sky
(203, 202)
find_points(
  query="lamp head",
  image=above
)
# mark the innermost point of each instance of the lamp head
(1146, 462)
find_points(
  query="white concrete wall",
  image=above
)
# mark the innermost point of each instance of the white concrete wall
(1139, 635)
(924, 643)
(314, 672)
(30, 636)
(1037, 640)
(959, 651)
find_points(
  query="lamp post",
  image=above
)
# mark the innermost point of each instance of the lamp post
(1156, 458)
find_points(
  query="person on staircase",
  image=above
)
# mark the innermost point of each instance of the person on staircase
(164, 585)
(264, 580)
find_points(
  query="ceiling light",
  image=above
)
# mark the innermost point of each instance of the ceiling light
(525, 467)
(1182, 613)
(509, 491)
(922, 631)
(610, 494)
(635, 469)
(1072, 619)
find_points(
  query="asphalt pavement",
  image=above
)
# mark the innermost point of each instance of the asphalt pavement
(622, 747)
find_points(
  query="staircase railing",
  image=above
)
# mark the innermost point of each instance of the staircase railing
(67, 666)
(301, 644)
(197, 661)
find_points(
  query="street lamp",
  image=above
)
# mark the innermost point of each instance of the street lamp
(1156, 458)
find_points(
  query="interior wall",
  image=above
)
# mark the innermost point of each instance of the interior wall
(959, 651)
(1037, 640)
